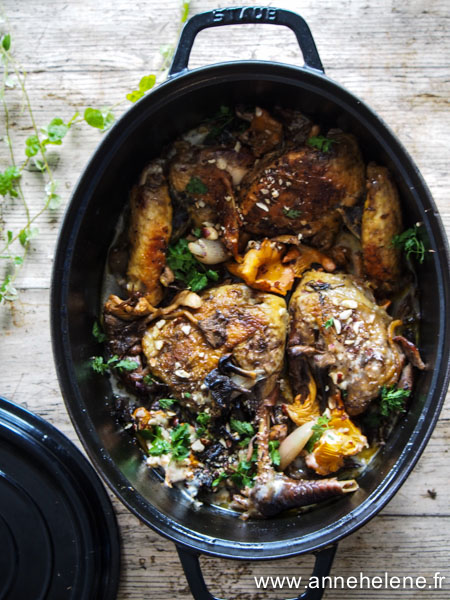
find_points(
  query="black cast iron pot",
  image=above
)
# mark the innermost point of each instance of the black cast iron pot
(89, 226)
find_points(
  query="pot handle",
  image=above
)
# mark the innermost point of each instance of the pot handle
(246, 14)
(192, 570)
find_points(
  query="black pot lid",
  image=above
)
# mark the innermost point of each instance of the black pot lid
(58, 533)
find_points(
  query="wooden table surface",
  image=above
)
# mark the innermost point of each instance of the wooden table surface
(78, 53)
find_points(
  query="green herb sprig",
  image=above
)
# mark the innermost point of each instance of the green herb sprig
(99, 365)
(393, 400)
(187, 268)
(15, 244)
(321, 142)
(291, 213)
(411, 244)
(318, 430)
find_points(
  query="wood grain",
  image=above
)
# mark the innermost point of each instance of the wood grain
(394, 55)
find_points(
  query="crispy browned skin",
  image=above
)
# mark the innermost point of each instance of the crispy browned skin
(355, 346)
(234, 319)
(381, 221)
(149, 233)
(217, 169)
(300, 191)
(264, 134)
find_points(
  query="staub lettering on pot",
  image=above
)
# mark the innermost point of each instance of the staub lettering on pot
(265, 14)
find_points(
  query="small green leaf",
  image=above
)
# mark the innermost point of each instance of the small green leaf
(56, 130)
(126, 364)
(98, 333)
(393, 400)
(318, 429)
(203, 418)
(27, 234)
(329, 323)
(166, 403)
(196, 186)
(214, 275)
(242, 427)
(32, 146)
(94, 118)
(410, 243)
(7, 290)
(6, 42)
(291, 213)
(321, 142)
(185, 10)
(18, 260)
(39, 164)
(7, 180)
(147, 82)
(274, 453)
(134, 96)
(9, 236)
(148, 380)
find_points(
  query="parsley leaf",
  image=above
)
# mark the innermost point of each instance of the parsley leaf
(100, 366)
(187, 268)
(321, 142)
(242, 427)
(291, 213)
(166, 403)
(196, 186)
(273, 452)
(393, 400)
(158, 444)
(98, 333)
(203, 418)
(181, 445)
(318, 429)
(32, 146)
(148, 380)
(410, 243)
(329, 323)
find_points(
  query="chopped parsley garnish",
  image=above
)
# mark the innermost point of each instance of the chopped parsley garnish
(410, 243)
(242, 427)
(291, 213)
(99, 365)
(196, 186)
(98, 333)
(148, 380)
(158, 444)
(242, 476)
(166, 403)
(329, 323)
(181, 445)
(187, 268)
(197, 232)
(318, 429)
(393, 400)
(220, 121)
(203, 419)
(321, 142)
(274, 452)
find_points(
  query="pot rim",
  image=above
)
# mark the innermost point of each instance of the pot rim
(184, 82)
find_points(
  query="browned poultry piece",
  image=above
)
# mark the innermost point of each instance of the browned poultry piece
(336, 323)
(301, 191)
(232, 319)
(381, 221)
(149, 233)
(206, 178)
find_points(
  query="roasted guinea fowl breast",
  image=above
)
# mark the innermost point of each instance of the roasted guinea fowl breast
(381, 221)
(335, 321)
(149, 232)
(233, 319)
(301, 190)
